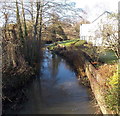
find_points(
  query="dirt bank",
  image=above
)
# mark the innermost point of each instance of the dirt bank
(14, 82)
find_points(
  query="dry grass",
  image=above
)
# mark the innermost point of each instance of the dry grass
(107, 70)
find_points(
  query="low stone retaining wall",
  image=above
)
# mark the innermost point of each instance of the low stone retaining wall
(97, 86)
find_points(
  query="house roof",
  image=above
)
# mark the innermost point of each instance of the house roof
(101, 15)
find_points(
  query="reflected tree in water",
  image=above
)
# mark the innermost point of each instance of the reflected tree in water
(54, 66)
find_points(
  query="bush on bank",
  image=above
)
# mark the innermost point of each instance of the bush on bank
(13, 86)
(112, 97)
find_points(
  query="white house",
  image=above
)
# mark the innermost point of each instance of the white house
(91, 32)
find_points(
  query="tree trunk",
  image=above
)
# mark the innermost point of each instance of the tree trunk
(26, 52)
(35, 32)
(19, 23)
(24, 22)
(36, 21)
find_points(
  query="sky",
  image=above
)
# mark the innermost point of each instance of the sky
(94, 8)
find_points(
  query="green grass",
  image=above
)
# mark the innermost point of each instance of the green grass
(67, 43)
(108, 56)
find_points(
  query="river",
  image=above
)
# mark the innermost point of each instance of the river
(57, 90)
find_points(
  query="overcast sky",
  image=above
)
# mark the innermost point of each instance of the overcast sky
(95, 8)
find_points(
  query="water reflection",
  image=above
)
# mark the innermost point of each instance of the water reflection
(55, 61)
(57, 91)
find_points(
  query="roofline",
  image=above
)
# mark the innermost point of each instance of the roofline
(101, 15)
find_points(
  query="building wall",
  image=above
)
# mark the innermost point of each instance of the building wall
(91, 32)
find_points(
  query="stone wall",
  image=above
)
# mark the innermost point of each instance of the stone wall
(97, 86)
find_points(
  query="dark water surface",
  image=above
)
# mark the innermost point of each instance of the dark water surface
(57, 91)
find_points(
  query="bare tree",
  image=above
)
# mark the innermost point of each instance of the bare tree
(109, 33)
(19, 22)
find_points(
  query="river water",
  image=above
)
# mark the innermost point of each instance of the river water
(57, 90)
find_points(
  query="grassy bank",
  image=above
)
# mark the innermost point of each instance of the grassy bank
(108, 56)
(67, 43)
(109, 72)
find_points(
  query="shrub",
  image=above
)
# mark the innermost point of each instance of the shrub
(112, 95)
